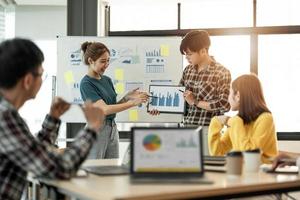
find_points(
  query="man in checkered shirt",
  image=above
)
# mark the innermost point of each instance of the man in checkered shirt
(207, 82)
(20, 80)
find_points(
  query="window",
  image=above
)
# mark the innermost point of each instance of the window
(216, 13)
(41, 104)
(278, 12)
(279, 69)
(9, 22)
(126, 16)
(276, 55)
(2, 23)
(232, 52)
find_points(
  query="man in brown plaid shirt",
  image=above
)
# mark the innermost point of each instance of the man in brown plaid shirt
(20, 152)
(207, 82)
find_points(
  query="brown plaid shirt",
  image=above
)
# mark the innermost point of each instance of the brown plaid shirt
(211, 84)
(20, 152)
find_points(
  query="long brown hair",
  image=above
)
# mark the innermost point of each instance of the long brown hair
(93, 50)
(252, 101)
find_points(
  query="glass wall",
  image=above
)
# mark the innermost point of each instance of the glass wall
(136, 15)
(279, 69)
(41, 104)
(278, 12)
(232, 52)
(274, 55)
(216, 13)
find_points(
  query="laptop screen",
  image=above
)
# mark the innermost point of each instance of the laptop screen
(166, 150)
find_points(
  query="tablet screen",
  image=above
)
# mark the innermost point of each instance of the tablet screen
(166, 98)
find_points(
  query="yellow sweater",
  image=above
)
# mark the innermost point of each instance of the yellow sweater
(240, 137)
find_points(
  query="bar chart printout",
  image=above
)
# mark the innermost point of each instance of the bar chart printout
(166, 98)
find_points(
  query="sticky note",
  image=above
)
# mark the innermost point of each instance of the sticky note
(119, 74)
(133, 115)
(120, 88)
(164, 50)
(69, 78)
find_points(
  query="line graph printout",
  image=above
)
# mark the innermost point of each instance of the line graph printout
(166, 98)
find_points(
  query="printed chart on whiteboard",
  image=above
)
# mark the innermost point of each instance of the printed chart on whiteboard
(166, 98)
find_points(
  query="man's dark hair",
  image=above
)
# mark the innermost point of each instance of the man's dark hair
(195, 41)
(18, 57)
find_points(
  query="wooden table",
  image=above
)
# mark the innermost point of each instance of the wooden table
(224, 186)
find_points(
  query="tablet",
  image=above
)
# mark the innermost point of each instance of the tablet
(166, 98)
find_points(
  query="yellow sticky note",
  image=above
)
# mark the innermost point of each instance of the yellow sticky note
(133, 115)
(119, 74)
(164, 50)
(120, 88)
(69, 78)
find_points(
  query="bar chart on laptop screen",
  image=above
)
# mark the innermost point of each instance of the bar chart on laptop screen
(166, 98)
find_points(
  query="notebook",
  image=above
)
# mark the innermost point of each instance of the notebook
(169, 154)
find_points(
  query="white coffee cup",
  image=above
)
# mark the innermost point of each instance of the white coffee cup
(252, 160)
(234, 163)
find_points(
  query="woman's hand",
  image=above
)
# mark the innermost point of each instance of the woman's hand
(132, 94)
(282, 160)
(138, 98)
(58, 107)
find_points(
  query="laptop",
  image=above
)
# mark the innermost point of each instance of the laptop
(208, 159)
(167, 154)
(122, 169)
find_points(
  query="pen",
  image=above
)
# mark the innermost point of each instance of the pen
(181, 91)
(79, 104)
(152, 96)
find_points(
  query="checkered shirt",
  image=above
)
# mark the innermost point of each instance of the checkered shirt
(20, 152)
(210, 84)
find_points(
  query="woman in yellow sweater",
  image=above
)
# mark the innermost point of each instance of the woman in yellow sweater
(253, 126)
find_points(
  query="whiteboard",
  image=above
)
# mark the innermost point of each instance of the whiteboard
(134, 62)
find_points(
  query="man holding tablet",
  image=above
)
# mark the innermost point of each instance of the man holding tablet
(207, 82)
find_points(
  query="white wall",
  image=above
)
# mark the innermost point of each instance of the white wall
(40, 22)
(292, 146)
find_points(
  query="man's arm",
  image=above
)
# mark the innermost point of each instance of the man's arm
(21, 148)
(223, 86)
(49, 131)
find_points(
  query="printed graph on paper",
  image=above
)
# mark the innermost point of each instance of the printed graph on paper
(166, 98)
